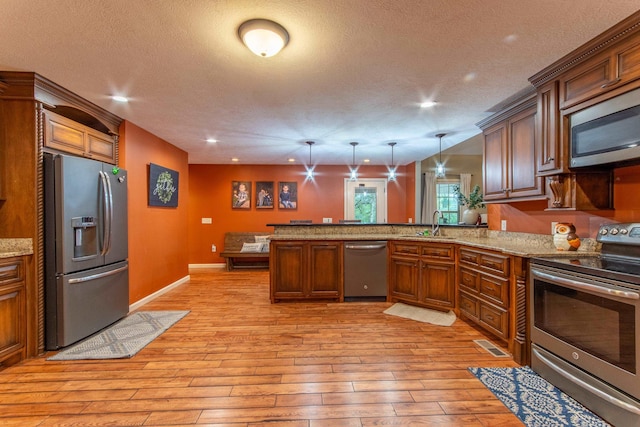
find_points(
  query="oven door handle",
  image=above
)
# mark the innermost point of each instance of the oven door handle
(585, 286)
(601, 394)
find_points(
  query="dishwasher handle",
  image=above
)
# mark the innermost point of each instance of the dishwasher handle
(364, 247)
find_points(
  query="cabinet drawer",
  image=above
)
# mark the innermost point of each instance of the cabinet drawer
(405, 248)
(438, 251)
(495, 319)
(494, 289)
(495, 263)
(469, 279)
(11, 270)
(469, 257)
(468, 305)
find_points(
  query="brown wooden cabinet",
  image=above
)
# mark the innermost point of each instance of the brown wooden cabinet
(12, 310)
(422, 274)
(510, 153)
(484, 289)
(72, 137)
(602, 73)
(303, 270)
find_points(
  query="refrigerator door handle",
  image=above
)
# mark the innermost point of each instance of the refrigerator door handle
(106, 212)
(98, 276)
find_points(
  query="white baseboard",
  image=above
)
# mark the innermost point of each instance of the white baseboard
(216, 265)
(136, 305)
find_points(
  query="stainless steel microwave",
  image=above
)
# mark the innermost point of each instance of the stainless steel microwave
(608, 132)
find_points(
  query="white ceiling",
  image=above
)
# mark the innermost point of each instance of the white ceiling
(354, 70)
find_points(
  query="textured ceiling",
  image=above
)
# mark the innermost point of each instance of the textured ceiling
(354, 70)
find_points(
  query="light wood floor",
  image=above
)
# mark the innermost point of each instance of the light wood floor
(237, 360)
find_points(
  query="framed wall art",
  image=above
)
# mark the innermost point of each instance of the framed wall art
(241, 194)
(163, 186)
(288, 195)
(264, 195)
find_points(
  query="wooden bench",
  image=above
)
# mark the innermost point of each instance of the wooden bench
(236, 257)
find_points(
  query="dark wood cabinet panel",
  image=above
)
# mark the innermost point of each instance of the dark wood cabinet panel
(437, 285)
(423, 274)
(305, 270)
(12, 310)
(403, 278)
(495, 157)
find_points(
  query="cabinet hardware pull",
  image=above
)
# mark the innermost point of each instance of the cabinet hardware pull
(550, 159)
(611, 83)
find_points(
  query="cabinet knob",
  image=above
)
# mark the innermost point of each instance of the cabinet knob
(550, 159)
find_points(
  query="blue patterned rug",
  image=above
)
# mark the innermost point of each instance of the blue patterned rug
(534, 400)
(124, 338)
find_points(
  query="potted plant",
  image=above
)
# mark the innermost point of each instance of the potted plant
(473, 202)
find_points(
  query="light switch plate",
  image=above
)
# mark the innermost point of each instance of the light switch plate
(327, 220)
(503, 225)
(206, 220)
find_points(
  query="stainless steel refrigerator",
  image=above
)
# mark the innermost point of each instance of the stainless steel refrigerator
(86, 266)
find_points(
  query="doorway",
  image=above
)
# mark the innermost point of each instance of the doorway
(366, 200)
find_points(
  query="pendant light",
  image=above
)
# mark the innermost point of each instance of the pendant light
(263, 37)
(354, 169)
(392, 171)
(440, 172)
(310, 166)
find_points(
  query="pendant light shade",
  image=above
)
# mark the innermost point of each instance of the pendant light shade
(310, 166)
(263, 37)
(440, 171)
(354, 169)
(392, 171)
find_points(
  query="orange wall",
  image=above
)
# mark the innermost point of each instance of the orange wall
(210, 197)
(157, 236)
(530, 217)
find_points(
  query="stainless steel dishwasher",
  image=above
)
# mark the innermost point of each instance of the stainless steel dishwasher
(365, 270)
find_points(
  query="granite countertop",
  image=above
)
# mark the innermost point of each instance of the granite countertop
(15, 247)
(518, 244)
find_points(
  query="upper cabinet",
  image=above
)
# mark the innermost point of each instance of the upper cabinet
(511, 153)
(603, 68)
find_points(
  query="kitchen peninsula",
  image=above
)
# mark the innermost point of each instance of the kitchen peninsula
(478, 273)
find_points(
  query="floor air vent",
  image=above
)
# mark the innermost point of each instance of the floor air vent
(491, 348)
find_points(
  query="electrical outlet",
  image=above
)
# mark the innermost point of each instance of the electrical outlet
(213, 248)
(503, 225)
(206, 220)
(327, 220)
(553, 226)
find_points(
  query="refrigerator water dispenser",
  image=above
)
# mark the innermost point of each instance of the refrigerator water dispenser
(85, 239)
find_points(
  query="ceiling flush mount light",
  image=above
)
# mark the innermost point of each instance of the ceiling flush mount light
(354, 169)
(427, 104)
(310, 167)
(392, 171)
(263, 37)
(120, 98)
(440, 172)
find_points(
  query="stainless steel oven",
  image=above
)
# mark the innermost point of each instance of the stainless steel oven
(585, 319)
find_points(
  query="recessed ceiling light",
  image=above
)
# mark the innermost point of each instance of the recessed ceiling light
(428, 104)
(235, 159)
(212, 140)
(366, 161)
(291, 160)
(120, 98)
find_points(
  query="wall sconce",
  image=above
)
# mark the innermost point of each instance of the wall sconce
(354, 169)
(263, 37)
(440, 171)
(392, 171)
(310, 166)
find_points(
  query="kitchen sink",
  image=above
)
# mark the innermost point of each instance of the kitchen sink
(430, 237)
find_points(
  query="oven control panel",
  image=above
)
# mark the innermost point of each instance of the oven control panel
(625, 233)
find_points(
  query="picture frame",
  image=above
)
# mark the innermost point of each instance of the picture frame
(264, 195)
(287, 195)
(241, 194)
(163, 186)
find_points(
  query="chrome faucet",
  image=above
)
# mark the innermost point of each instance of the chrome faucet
(435, 223)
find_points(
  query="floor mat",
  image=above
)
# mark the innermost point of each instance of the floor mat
(420, 314)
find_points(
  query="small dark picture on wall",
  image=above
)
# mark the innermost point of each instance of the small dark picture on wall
(288, 195)
(264, 195)
(241, 195)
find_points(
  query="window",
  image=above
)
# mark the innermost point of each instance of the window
(447, 202)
